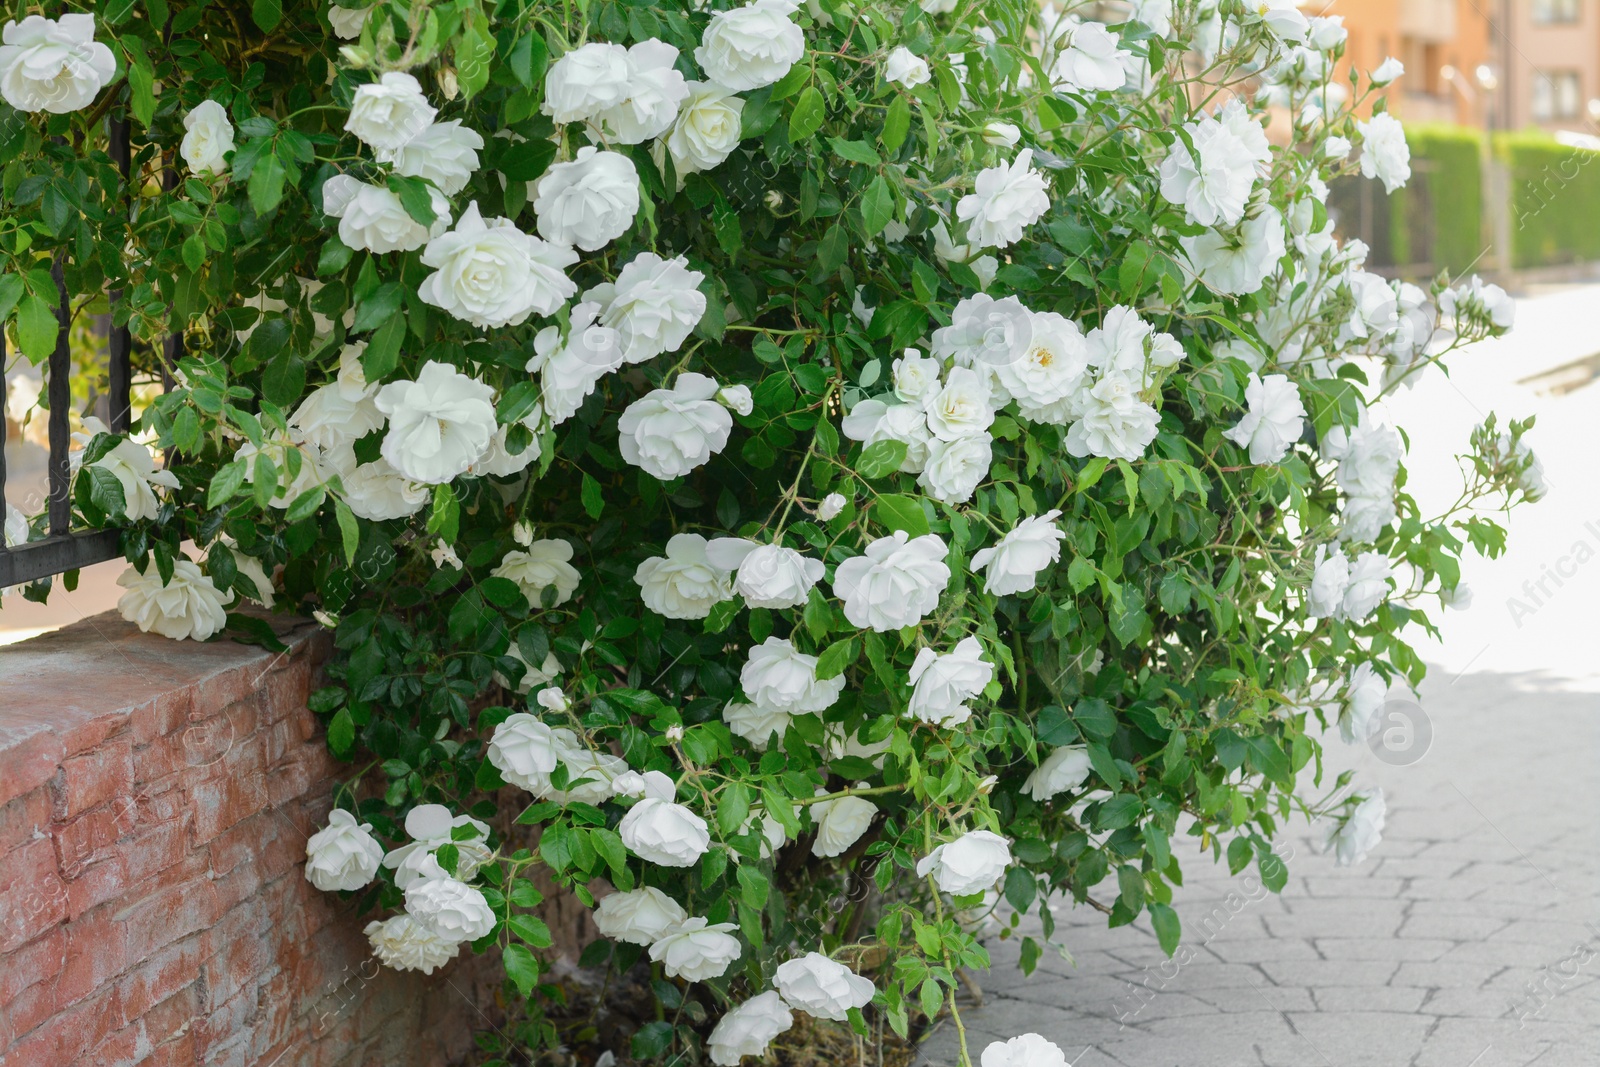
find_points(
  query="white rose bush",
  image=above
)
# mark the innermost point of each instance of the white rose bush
(791, 476)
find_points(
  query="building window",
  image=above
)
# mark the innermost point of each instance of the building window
(1556, 95)
(1548, 11)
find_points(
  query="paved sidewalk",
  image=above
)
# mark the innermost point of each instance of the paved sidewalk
(1423, 956)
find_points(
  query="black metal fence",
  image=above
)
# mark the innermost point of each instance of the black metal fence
(64, 549)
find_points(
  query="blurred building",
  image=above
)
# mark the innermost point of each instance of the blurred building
(1494, 64)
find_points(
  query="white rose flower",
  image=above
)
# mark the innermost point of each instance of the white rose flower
(498, 460)
(131, 464)
(822, 987)
(1089, 60)
(1237, 264)
(653, 305)
(588, 202)
(831, 506)
(1274, 420)
(955, 469)
(1051, 372)
(387, 113)
(1337, 148)
(986, 334)
(430, 827)
(1329, 580)
(683, 584)
(1327, 32)
(915, 376)
(1365, 692)
(751, 46)
(1213, 188)
(1282, 19)
(376, 491)
(655, 91)
(1478, 307)
(53, 65)
(651, 784)
(669, 432)
(447, 907)
(906, 68)
(404, 944)
(331, 419)
(187, 607)
(767, 576)
(591, 776)
(963, 407)
(208, 138)
(532, 677)
(1115, 423)
(342, 855)
(706, 131)
(1458, 598)
(439, 425)
(1007, 199)
(1012, 564)
(445, 153)
(896, 583)
(569, 370)
(489, 273)
(639, 916)
(588, 80)
(542, 565)
(755, 725)
(840, 823)
(694, 951)
(664, 833)
(312, 471)
(970, 864)
(524, 751)
(871, 421)
(748, 1029)
(1389, 70)
(1029, 1050)
(1352, 838)
(347, 22)
(1001, 135)
(1063, 771)
(1384, 152)
(777, 677)
(942, 684)
(1369, 586)
(371, 217)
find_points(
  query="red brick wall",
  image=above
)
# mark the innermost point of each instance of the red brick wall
(155, 800)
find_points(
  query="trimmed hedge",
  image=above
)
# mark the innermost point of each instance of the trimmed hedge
(1555, 199)
(1438, 218)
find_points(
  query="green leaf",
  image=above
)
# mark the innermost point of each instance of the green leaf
(284, 379)
(141, 85)
(593, 502)
(896, 124)
(377, 307)
(836, 658)
(899, 512)
(753, 886)
(881, 458)
(445, 519)
(36, 327)
(266, 183)
(530, 929)
(267, 14)
(474, 53)
(1165, 920)
(521, 967)
(105, 491)
(349, 532)
(856, 151)
(382, 353)
(1021, 888)
(1055, 728)
(415, 197)
(11, 290)
(225, 483)
(652, 1040)
(832, 249)
(877, 206)
(1095, 717)
(806, 118)
(334, 257)
(341, 733)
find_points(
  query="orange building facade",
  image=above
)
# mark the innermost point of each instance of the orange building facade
(1495, 64)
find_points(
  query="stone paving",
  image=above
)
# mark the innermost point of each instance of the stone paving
(1469, 938)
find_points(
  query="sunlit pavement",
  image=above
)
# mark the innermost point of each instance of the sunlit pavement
(1470, 937)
